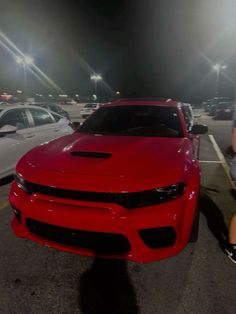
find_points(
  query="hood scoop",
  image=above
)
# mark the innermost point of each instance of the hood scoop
(91, 154)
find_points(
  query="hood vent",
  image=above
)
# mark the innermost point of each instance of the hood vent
(91, 154)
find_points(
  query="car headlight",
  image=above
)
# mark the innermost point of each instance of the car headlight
(152, 197)
(20, 181)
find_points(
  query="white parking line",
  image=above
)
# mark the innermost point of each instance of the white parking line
(222, 159)
(211, 161)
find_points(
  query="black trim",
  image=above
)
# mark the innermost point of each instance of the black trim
(6, 180)
(156, 238)
(91, 154)
(100, 242)
(125, 199)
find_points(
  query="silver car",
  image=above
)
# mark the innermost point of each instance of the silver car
(22, 128)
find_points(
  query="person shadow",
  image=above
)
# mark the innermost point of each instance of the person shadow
(214, 216)
(105, 288)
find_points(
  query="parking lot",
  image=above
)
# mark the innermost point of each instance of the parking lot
(201, 279)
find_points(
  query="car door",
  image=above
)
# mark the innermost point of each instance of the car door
(45, 127)
(13, 146)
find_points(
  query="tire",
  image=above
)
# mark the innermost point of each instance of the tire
(195, 227)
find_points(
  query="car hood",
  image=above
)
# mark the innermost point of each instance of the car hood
(114, 162)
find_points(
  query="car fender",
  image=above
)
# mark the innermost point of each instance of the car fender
(191, 201)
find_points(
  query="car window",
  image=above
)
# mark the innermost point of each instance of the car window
(56, 117)
(40, 117)
(187, 114)
(54, 108)
(134, 120)
(15, 117)
(43, 106)
(92, 106)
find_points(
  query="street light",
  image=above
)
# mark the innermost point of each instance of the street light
(24, 60)
(218, 67)
(28, 60)
(19, 60)
(96, 78)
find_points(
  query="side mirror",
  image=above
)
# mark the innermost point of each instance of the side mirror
(75, 125)
(199, 129)
(7, 129)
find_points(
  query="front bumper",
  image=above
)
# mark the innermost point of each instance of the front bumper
(142, 235)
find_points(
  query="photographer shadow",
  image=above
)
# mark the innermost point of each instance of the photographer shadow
(105, 288)
(214, 216)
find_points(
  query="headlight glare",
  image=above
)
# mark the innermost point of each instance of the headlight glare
(20, 181)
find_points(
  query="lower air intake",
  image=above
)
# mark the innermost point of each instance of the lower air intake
(100, 242)
(158, 237)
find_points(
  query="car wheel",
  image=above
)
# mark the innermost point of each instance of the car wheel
(195, 227)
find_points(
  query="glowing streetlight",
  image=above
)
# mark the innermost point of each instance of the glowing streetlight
(218, 67)
(117, 93)
(28, 60)
(24, 60)
(96, 78)
(19, 60)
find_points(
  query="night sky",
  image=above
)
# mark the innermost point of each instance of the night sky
(143, 48)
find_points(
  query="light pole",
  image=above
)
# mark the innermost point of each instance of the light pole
(25, 61)
(218, 67)
(96, 78)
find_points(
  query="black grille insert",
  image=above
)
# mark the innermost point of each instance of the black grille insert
(158, 237)
(127, 200)
(91, 154)
(99, 242)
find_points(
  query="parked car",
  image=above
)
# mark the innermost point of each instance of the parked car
(88, 109)
(207, 104)
(22, 128)
(54, 108)
(215, 101)
(188, 115)
(124, 185)
(224, 110)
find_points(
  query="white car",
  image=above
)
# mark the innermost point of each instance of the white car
(189, 116)
(22, 128)
(88, 109)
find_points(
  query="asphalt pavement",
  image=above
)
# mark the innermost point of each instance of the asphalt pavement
(201, 279)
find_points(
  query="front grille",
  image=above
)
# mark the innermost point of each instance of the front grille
(158, 237)
(99, 242)
(127, 200)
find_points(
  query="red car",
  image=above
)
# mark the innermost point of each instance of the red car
(125, 184)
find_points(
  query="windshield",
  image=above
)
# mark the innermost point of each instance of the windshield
(134, 120)
(90, 106)
(225, 105)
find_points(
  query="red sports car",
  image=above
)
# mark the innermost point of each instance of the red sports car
(125, 184)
